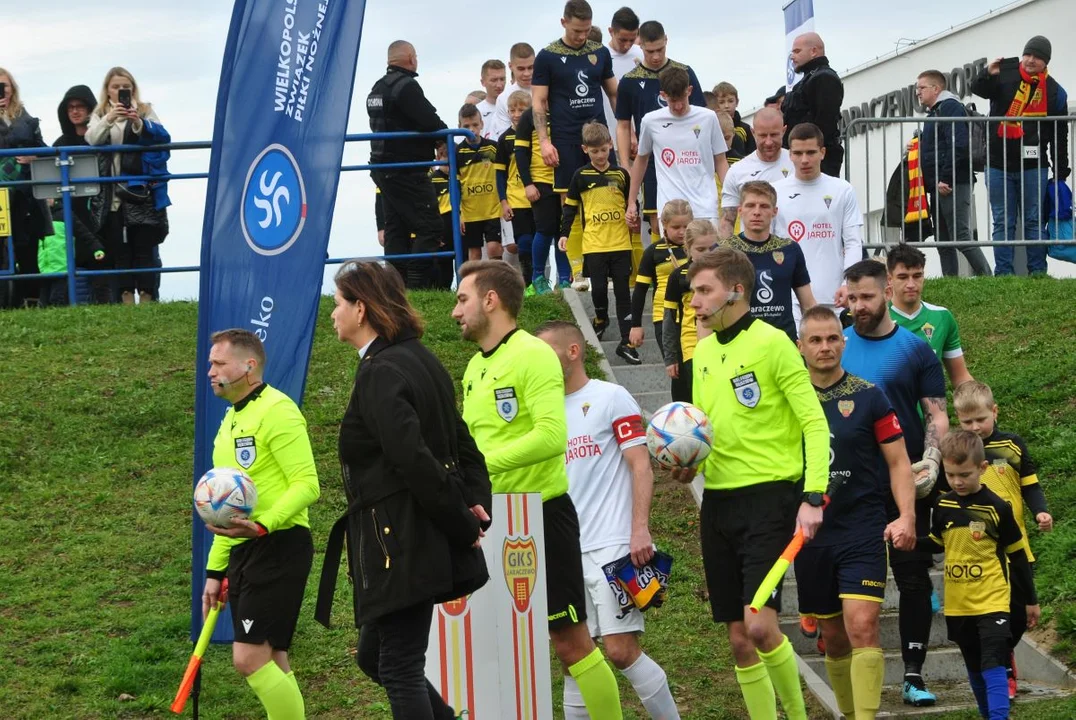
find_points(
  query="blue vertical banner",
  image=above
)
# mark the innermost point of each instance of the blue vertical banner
(799, 19)
(278, 140)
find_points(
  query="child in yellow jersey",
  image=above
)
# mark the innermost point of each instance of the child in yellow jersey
(678, 327)
(659, 260)
(728, 131)
(515, 207)
(985, 567)
(480, 208)
(598, 195)
(442, 268)
(1012, 476)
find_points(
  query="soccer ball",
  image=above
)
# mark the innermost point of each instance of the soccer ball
(680, 436)
(222, 494)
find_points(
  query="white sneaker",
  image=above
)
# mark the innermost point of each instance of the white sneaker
(581, 285)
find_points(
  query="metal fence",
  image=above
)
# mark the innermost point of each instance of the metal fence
(997, 197)
(64, 159)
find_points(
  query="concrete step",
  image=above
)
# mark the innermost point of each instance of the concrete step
(889, 630)
(648, 351)
(944, 664)
(651, 401)
(645, 378)
(953, 696)
(790, 603)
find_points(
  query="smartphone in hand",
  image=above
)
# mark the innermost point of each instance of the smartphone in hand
(125, 97)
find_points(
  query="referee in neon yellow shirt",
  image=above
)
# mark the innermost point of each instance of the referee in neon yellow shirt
(750, 381)
(513, 404)
(266, 558)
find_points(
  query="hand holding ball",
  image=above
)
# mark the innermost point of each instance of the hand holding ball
(223, 494)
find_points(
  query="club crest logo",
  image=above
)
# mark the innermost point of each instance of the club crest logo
(778, 257)
(593, 59)
(784, 172)
(846, 407)
(246, 452)
(668, 156)
(455, 608)
(828, 200)
(586, 409)
(928, 330)
(697, 130)
(747, 391)
(519, 559)
(977, 528)
(507, 403)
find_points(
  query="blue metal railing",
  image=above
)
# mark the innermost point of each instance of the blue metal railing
(67, 186)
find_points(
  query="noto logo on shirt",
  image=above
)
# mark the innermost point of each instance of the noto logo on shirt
(583, 88)
(274, 201)
(668, 156)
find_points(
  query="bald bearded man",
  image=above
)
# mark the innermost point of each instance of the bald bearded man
(816, 98)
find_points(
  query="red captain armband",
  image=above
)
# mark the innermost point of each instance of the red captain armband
(628, 428)
(887, 429)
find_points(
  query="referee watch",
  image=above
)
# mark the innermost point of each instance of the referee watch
(814, 499)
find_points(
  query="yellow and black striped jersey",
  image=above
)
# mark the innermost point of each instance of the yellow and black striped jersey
(478, 181)
(658, 261)
(532, 169)
(977, 531)
(678, 294)
(1013, 477)
(439, 178)
(601, 199)
(506, 163)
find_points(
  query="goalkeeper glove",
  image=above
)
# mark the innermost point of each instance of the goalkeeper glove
(930, 464)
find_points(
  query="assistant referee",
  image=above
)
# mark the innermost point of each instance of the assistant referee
(750, 381)
(266, 558)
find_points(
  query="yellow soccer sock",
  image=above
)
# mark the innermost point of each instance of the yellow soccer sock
(598, 686)
(785, 676)
(757, 691)
(278, 693)
(839, 671)
(574, 248)
(868, 671)
(636, 256)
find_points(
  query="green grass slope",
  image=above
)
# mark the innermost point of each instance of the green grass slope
(96, 428)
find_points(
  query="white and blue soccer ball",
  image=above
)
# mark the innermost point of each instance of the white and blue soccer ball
(679, 436)
(223, 494)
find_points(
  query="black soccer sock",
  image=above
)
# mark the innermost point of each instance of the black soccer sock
(915, 620)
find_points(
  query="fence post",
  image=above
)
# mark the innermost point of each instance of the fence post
(454, 201)
(69, 240)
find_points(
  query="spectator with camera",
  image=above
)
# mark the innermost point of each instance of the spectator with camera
(135, 220)
(30, 220)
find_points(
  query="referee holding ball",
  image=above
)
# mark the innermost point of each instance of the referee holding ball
(750, 381)
(267, 557)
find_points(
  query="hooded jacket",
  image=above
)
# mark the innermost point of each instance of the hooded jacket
(70, 137)
(943, 147)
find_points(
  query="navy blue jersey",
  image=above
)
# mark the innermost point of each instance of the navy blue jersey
(780, 268)
(639, 92)
(860, 421)
(905, 368)
(574, 77)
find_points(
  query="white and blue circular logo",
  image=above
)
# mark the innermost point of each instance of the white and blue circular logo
(748, 393)
(274, 201)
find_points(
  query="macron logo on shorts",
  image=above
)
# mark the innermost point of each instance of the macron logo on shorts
(247, 625)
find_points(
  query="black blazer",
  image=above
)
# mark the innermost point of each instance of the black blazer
(411, 473)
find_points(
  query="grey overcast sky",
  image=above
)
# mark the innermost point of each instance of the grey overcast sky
(174, 50)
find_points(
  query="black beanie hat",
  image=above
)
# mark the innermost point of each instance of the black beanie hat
(1039, 47)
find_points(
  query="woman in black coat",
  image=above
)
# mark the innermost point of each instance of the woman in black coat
(417, 488)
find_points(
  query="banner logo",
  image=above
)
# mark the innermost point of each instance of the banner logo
(520, 561)
(274, 201)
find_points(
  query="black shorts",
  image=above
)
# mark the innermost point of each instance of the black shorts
(480, 232)
(522, 222)
(572, 157)
(650, 188)
(448, 242)
(546, 211)
(565, 594)
(743, 532)
(266, 581)
(614, 264)
(828, 574)
(983, 639)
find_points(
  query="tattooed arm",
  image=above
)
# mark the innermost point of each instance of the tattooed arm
(936, 420)
(727, 223)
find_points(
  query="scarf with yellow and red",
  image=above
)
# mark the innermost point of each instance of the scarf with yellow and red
(917, 192)
(1029, 101)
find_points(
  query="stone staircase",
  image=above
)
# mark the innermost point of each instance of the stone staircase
(1041, 677)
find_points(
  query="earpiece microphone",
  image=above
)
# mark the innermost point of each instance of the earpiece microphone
(733, 297)
(225, 383)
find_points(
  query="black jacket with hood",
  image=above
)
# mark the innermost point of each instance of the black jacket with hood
(70, 137)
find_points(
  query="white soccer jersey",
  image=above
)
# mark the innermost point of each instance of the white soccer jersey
(603, 419)
(623, 63)
(683, 150)
(501, 118)
(490, 126)
(823, 216)
(751, 169)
